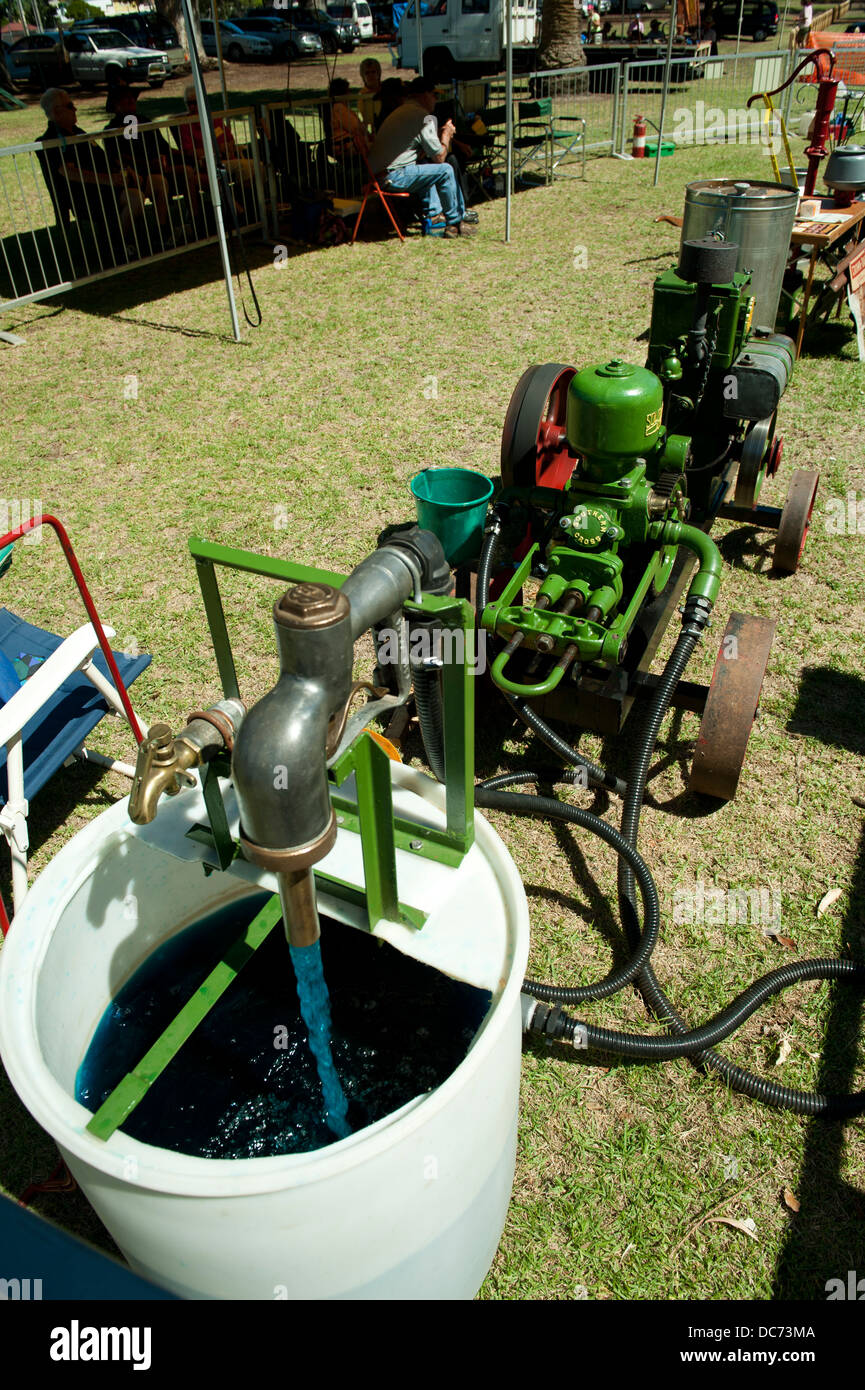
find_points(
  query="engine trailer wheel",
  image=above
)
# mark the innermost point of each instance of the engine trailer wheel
(731, 705)
(534, 449)
(795, 521)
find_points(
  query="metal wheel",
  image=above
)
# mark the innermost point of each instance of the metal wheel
(795, 520)
(534, 448)
(731, 704)
(756, 452)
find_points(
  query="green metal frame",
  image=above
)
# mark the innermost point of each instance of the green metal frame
(381, 833)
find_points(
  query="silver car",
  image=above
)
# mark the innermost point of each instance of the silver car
(236, 45)
(103, 55)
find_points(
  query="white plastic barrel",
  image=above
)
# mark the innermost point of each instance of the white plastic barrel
(411, 1207)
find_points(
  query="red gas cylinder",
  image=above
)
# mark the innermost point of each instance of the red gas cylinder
(639, 147)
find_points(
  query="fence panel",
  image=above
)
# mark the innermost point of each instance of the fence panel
(89, 206)
(707, 101)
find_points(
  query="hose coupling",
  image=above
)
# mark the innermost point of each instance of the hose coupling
(543, 1020)
(497, 515)
(696, 615)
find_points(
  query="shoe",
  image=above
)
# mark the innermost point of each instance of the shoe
(455, 229)
(472, 217)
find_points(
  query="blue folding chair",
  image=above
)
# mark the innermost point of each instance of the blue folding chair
(53, 693)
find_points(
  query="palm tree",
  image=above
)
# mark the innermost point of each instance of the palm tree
(560, 45)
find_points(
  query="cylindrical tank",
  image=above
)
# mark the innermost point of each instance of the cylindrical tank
(759, 217)
(413, 1206)
(613, 417)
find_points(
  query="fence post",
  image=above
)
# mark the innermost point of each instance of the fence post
(617, 92)
(624, 70)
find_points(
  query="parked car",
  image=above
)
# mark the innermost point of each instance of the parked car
(759, 19)
(236, 45)
(16, 72)
(355, 12)
(92, 55)
(335, 34)
(146, 31)
(101, 55)
(289, 43)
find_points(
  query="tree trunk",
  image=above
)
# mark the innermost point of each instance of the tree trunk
(560, 45)
(172, 12)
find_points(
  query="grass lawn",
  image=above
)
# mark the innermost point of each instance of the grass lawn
(371, 363)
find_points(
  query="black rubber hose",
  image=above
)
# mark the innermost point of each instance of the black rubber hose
(639, 770)
(428, 703)
(514, 779)
(595, 775)
(522, 803)
(769, 1092)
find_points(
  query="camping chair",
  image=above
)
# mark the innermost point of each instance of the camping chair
(374, 189)
(547, 140)
(53, 693)
(490, 156)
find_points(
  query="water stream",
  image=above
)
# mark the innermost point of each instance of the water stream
(315, 1011)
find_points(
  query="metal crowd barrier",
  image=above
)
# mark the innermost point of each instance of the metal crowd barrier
(111, 204)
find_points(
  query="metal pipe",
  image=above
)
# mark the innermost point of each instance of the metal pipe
(299, 908)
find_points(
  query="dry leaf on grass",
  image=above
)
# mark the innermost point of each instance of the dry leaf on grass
(828, 899)
(747, 1227)
(784, 1050)
(791, 1201)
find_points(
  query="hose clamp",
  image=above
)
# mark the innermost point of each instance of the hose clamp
(581, 1037)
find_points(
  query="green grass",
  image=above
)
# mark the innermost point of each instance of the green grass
(321, 417)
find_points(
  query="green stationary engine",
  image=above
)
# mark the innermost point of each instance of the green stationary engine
(609, 471)
(612, 477)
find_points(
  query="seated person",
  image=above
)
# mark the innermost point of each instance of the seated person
(192, 144)
(607, 32)
(109, 199)
(392, 96)
(301, 164)
(347, 139)
(162, 171)
(656, 31)
(410, 135)
(635, 29)
(369, 101)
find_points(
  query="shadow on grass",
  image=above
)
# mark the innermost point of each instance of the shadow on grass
(126, 290)
(826, 1238)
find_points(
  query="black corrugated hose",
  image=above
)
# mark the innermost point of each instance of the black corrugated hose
(685, 1042)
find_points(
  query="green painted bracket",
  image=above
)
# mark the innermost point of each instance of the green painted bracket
(129, 1092)
(459, 668)
(207, 556)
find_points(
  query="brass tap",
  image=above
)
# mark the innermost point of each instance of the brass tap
(161, 757)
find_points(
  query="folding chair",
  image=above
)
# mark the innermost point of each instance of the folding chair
(554, 143)
(490, 156)
(53, 693)
(372, 188)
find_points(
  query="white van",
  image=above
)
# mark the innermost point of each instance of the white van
(465, 38)
(353, 12)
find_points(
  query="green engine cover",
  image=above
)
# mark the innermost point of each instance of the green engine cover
(614, 416)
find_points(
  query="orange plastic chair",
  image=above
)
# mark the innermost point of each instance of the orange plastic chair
(374, 189)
